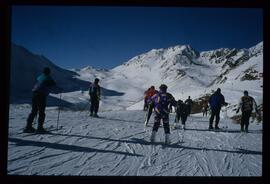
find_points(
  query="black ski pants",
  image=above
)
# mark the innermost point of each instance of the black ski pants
(182, 116)
(94, 105)
(214, 114)
(165, 119)
(245, 120)
(149, 111)
(38, 106)
(205, 113)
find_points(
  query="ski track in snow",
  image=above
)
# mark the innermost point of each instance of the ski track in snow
(118, 145)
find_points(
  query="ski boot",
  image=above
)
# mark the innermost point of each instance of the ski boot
(29, 130)
(153, 136)
(167, 139)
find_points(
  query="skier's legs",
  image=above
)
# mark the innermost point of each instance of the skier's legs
(156, 122)
(165, 120)
(177, 117)
(211, 118)
(41, 110)
(96, 106)
(92, 105)
(184, 119)
(34, 111)
(246, 119)
(217, 117)
(149, 113)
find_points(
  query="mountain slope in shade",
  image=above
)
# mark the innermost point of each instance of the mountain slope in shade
(26, 67)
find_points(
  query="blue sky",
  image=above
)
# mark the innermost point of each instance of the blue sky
(105, 37)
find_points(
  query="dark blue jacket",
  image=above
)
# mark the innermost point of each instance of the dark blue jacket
(216, 101)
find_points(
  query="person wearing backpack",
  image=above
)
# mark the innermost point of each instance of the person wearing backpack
(246, 104)
(182, 110)
(189, 102)
(151, 92)
(94, 93)
(161, 101)
(41, 90)
(216, 101)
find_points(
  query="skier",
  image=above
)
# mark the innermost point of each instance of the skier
(189, 102)
(94, 93)
(182, 110)
(246, 104)
(205, 109)
(41, 90)
(151, 92)
(145, 99)
(216, 101)
(161, 101)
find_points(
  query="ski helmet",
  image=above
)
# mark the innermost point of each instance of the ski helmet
(163, 87)
(96, 80)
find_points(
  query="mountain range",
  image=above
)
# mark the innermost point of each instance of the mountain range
(184, 70)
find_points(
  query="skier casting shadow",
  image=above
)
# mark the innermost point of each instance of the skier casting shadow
(161, 101)
(216, 101)
(41, 90)
(182, 111)
(94, 93)
(246, 104)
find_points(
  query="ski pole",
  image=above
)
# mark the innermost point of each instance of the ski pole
(58, 111)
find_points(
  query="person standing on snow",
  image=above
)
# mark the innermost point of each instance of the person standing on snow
(216, 101)
(161, 101)
(246, 104)
(182, 110)
(145, 99)
(205, 109)
(94, 93)
(151, 92)
(41, 90)
(189, 102)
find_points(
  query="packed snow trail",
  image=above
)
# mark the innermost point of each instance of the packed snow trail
(118, 145)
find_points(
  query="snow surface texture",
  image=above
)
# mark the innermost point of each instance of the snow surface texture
(117, 144)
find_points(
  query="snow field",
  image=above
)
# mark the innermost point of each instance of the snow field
(117, 144)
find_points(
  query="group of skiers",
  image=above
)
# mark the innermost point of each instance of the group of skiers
(162, 100)
(159, 101)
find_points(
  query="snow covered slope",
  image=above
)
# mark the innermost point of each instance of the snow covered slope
(186, 72)
(117, 145)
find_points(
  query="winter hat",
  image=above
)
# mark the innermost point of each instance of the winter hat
(152, 87)
(246, 92)
(218, 90)
(163, 87)
(46, 71)
(96, 80)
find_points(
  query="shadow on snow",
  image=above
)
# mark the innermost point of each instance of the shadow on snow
(21, 142)
(132, 141)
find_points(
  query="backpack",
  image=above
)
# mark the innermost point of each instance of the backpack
(161, 101)
(247, 103)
